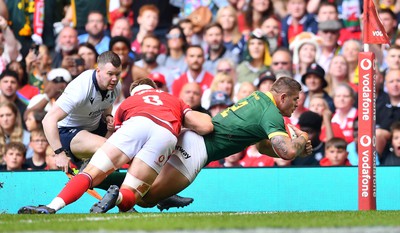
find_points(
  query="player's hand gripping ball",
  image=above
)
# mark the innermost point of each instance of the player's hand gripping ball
(292, 134)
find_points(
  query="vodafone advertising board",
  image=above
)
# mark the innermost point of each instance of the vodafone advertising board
(366, 132)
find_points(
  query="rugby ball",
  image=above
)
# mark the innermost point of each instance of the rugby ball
(292, 134)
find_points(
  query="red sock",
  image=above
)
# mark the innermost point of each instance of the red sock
(75, 188)
(128, 200)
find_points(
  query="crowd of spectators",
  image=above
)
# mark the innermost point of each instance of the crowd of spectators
(209, 53)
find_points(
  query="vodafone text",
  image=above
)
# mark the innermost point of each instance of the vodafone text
(377, 33)
(367, 95)
(366, 142)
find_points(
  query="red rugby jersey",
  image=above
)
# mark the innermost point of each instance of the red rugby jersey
(162, 108)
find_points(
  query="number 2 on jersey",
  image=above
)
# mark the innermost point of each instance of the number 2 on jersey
(152, 99)
(233, 108)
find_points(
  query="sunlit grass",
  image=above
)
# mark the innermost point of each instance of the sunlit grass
(176, 221)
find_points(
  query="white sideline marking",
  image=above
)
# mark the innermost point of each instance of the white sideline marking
(104, 217)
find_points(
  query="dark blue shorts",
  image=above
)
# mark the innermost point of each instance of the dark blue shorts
(68, 133)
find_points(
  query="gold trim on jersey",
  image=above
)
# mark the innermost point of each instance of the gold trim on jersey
(269, 94)
(277, 134)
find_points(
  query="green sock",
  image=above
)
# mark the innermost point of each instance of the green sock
(115, 178)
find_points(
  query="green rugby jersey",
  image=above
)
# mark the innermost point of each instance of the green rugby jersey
(245, 123)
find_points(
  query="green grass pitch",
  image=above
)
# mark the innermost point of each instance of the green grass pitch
(196, 221)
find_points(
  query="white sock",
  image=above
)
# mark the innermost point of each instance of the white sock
(57, 204)
(119, 199)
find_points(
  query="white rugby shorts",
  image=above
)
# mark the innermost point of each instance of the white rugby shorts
(190, 154)
(140, 137)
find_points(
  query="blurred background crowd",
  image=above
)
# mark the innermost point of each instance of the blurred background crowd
(210, 53)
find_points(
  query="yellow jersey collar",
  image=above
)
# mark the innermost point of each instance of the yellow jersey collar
(269, 94)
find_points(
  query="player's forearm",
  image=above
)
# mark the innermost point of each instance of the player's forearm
(51, 131)
(299, 145)
(199, 122)
(265, 147)
(50, 126)
(287, 148)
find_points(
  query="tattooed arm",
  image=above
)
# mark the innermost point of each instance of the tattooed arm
(287, 148)
(283, 147)
(265, 147)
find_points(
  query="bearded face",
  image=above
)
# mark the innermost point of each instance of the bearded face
(150, 50)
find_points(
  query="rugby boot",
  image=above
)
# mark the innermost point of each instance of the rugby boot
(174, 201)
(41, 209)
(107, 202)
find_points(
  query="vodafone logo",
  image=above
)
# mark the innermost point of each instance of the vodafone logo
(365, 140)
(377, 33)
(365, 64)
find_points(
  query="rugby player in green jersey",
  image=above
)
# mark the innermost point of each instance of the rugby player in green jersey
(255, 119)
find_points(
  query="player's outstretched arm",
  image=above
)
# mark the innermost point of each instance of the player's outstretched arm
(199, 122)
(284, 147)
(287, 148)
(265, 147)
(281, 146)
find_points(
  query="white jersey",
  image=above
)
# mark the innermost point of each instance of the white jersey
(84, 103)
